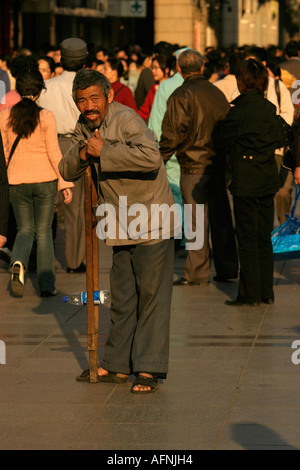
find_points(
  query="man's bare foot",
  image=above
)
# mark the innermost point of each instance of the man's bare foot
(102, 372)
(142, 388)
(147, 384)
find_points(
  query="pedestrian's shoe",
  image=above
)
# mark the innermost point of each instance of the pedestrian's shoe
(17, 278)
(268, 301)
(221, 279)
(184, 282)
(80, 269)
(239, 303)
(49, 293)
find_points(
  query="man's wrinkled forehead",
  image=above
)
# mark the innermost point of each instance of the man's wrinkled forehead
(90, 91)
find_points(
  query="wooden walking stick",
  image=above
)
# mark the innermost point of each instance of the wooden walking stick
(92, 273)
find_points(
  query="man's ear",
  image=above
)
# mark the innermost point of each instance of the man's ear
(111, 95)
(202, 69)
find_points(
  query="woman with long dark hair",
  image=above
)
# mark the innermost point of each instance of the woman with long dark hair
(32, 155)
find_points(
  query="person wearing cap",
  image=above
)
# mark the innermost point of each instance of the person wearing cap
(58, 98)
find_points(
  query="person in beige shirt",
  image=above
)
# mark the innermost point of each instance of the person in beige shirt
(34, 179)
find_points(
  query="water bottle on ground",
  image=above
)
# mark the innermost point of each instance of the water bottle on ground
(100, 297)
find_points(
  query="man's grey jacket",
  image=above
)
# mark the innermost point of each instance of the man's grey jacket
(130, 167)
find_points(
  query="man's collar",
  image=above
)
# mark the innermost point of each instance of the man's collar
(194, 75)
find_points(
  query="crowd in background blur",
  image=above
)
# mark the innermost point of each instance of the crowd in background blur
(136, 74)
(132, 66)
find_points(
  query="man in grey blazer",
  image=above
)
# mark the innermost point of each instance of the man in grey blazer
(114, 139)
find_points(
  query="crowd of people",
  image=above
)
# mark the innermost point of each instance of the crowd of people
(161, 126)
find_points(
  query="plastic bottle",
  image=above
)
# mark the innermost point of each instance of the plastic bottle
(100, 297)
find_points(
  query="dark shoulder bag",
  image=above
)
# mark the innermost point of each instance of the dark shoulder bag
(14, 145)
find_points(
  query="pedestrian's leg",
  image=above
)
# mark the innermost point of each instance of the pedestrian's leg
(195, 191)
(44, 197)
(224, 249)
(246, 218)
(75, 227)
(153, 267)
(283, 199)
(266, 259)
(74, 218)
(22, 201)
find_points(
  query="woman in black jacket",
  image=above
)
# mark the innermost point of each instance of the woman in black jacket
(4, 197)
(250, 134)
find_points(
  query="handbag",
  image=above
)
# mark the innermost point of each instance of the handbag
(288, 161)
(286, 238)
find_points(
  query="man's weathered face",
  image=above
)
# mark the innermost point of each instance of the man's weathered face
(93, 105)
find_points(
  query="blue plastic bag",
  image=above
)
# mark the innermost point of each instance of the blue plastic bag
(286, 238)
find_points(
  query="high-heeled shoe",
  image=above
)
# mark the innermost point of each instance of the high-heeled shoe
(17, 278)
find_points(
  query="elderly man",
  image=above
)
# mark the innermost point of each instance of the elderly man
(116, 140)
(192, 111)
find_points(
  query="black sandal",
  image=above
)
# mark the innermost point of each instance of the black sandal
(111, 377)
(151, 382)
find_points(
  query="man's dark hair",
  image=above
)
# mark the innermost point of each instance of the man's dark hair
(86, 78)
(274, 66)
(103, 49)
(251, 75)
(291, 49)
(190, 62)
(233, 60)
(90, 60)
(163, 47)
(23, 64)
(259, 53)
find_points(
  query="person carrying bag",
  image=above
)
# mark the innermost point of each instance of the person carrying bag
(32, 156)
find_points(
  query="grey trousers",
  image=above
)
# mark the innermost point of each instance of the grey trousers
(195, 190)
(74, 217)
(141, 284)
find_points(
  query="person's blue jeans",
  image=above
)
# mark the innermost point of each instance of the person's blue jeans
(33, 206)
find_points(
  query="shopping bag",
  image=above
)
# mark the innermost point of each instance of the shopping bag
(286, 238)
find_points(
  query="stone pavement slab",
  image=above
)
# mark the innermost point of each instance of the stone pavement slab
(231, 384)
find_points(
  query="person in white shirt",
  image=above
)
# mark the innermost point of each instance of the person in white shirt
(58, 99)
(228, 84)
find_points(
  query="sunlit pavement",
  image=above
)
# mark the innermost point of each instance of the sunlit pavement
(232, 383)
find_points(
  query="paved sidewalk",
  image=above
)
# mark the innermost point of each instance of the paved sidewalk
(231, 384)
